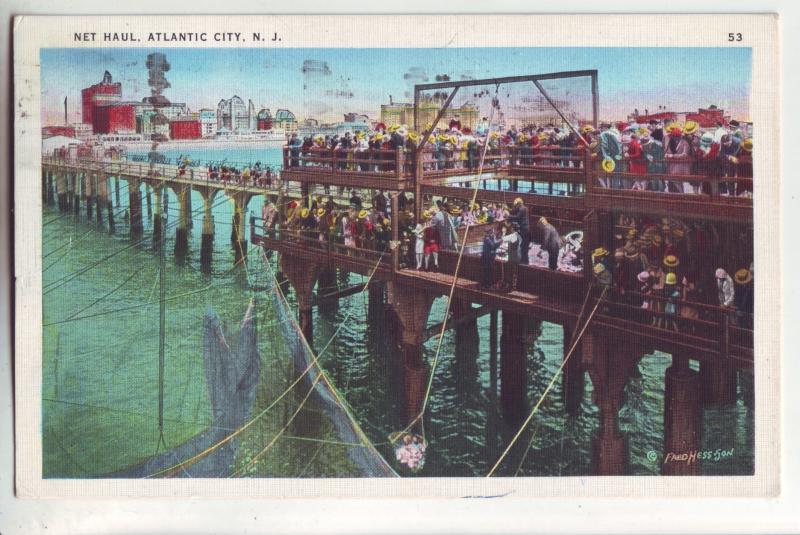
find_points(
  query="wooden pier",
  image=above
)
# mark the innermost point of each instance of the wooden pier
(618, 335)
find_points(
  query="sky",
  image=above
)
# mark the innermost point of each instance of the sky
(326, 82)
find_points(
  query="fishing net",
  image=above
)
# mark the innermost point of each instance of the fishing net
(361, 451)
(231, 377)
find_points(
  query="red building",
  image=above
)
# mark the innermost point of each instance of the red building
(102, 94)
(50, 131)
(185, 129)
(114, 119)
(708, 117)
(660, 116)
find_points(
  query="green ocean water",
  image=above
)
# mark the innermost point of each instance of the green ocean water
(100, 371)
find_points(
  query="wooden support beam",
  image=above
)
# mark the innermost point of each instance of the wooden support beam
(473, 314)
(339, 294)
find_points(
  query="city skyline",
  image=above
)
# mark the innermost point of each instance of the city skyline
(326, 83)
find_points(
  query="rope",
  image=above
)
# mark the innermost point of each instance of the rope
(455, 280)
(549, 386)
(314, 362)
(280, 432)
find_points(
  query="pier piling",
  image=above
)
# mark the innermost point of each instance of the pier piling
(135, 207)
(513, 352)
(572, 380)
(207, 238)
(682, 411)
(182, 230)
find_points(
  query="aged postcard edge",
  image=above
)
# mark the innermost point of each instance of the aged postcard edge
(33, 33)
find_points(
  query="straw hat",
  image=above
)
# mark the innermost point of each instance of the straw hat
(599, 268)
(643, 276)
(743, 276)
(413, 136)
(690, 127)
(587, 128)
(608, 165)
(304, 213)
(671, 279)
(600, 251)
(362, 214)
(426, 214)
(385, 222)
(747, 145)
(320, 212)
(393, 128)
(517, 201)
(671, 261)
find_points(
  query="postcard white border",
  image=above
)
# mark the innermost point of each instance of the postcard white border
(33, 33)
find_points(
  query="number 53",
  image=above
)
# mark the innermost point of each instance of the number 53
(734, 37)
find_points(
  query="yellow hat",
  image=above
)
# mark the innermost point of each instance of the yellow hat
(743, 276)
(671, 278)
(393, 128)
(475, 206)
(600, 251)
(747, 145)
(455, 210)
(320, 212)
(599, 268)
(426, 214)
(671, 260)
(587, 128)
(608, 165)
(379, 136)
(413, 136)
(643, 131)
(690, 127)
(362, 214)
(304, 213)
(517, 201)
(385, 221)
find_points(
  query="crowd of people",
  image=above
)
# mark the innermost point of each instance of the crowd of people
(672, 269)
(630, 155)
(667, 267)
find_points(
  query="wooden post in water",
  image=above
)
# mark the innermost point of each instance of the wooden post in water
(207, 238)
(157, 230)
(135, 207)
(682, 412)
(572, 380)
(513, 353)
(182, 230)
(88, 193)
(98, 199)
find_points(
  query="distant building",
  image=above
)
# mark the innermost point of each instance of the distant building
(264, 120)
(403, 113)
(208, 122)
(65, 131)
(101, 94)
(286, 120)
(185, 129)
(83, 131)
(114, 118)
(704, 117)
(708, 117)
(234, 115)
